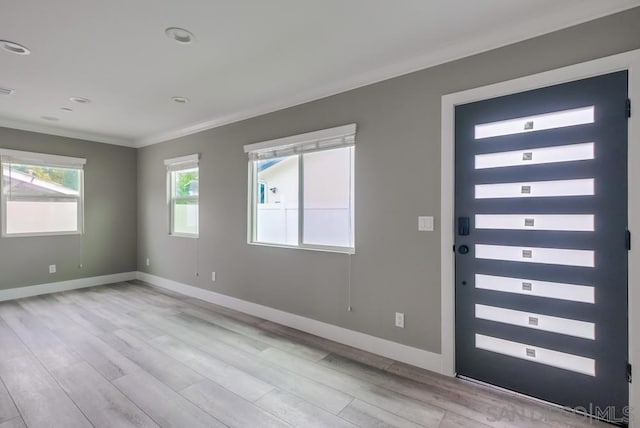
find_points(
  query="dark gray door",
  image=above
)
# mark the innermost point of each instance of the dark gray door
(541, 251)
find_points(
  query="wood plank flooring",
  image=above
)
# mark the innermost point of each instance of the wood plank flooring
(129, 355)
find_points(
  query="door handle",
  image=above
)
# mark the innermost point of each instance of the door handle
(463, 249)
(463, 226)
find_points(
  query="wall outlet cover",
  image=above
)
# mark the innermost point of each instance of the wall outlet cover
(425, 223)
(399, 319)
(52, 268)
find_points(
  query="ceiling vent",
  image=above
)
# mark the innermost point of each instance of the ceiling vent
(5, 91)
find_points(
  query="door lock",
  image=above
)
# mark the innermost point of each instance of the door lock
(463, 226)
(463, 249)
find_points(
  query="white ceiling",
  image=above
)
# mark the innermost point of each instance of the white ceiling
(249, 57)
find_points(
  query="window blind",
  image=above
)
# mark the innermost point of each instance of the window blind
(28, 158)
(325, 139)
(182, 162)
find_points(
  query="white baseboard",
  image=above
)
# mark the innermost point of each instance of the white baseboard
(386, 348)
(54, 287)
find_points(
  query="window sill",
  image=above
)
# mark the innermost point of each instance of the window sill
(38, 235)
(184, 235)
(336, 250)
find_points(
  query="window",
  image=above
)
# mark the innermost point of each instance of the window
(302, 190)
(41, 194)
(183, 191)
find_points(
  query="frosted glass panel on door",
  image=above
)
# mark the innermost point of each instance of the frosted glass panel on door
(551, 290)
(549, 357)
(536, 189)
(569, 327)
(568, 153)
(559, 119)
(553, 256)
(575, 222)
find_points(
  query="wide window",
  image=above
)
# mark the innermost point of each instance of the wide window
(183, 190)
(302, 190)
(41, 194)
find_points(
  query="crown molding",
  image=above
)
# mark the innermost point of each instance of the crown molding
(63, 132)
(558, 20)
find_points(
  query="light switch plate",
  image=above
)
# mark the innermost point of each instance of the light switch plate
(425, 223)
(400, 319)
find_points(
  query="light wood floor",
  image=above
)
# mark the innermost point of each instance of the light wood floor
(130, 355)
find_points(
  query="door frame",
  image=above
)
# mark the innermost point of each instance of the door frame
(629, 61)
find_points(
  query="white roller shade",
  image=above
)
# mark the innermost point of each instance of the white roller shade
(28, 158)
(182, 162)
(325, 139)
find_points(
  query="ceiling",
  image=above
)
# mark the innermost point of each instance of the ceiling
(249, 57)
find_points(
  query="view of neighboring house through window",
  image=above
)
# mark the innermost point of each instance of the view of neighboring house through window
(183, 189)
(302, 190)
(41, 194)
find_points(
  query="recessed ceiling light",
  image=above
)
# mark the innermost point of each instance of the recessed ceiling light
(180, 35)
(6, 91)
(50, 118)
(14, 47)
(180, 100)
(80, 100)
(66, 109)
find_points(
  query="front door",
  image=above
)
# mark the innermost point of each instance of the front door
(541, 243)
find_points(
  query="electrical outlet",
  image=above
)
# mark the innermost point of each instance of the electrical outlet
(52, 268)
(399, 319)
(148, 262)
(213, 276)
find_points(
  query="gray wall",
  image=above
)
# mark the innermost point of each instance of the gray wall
(396, 268)
(109, 244)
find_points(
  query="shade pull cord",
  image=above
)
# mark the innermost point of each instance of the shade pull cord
(81, 251)
(349, 307)
(197, 257)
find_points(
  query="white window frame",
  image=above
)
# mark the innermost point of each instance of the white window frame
(180, 164)
(8, 156)
(297, 145)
